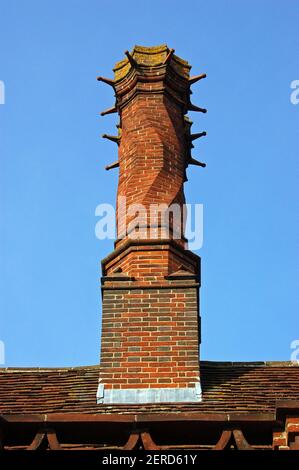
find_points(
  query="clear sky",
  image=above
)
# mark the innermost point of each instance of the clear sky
(52, 173)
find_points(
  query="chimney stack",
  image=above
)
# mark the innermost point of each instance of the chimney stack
(150, 283)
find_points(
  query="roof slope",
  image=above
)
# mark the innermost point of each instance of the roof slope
(227, 387)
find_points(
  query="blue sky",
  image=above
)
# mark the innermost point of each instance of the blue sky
(52, 173)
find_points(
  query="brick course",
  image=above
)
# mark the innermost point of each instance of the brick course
(150, 338)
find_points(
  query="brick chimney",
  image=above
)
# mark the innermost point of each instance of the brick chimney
(150, 284)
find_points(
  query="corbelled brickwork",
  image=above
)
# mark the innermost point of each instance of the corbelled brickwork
(150, 333)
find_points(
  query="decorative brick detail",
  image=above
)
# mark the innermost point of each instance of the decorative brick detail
(150, 284)
(288, 438)
(151, 159)
(150, 261)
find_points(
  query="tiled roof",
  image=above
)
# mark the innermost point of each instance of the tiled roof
(227, 387)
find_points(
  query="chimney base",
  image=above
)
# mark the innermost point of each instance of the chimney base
(135, 396)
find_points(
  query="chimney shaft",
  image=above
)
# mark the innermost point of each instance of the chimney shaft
(150, 283)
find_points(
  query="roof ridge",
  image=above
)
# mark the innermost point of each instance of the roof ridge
(250, 363)
(203, 363)
(47, 369)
